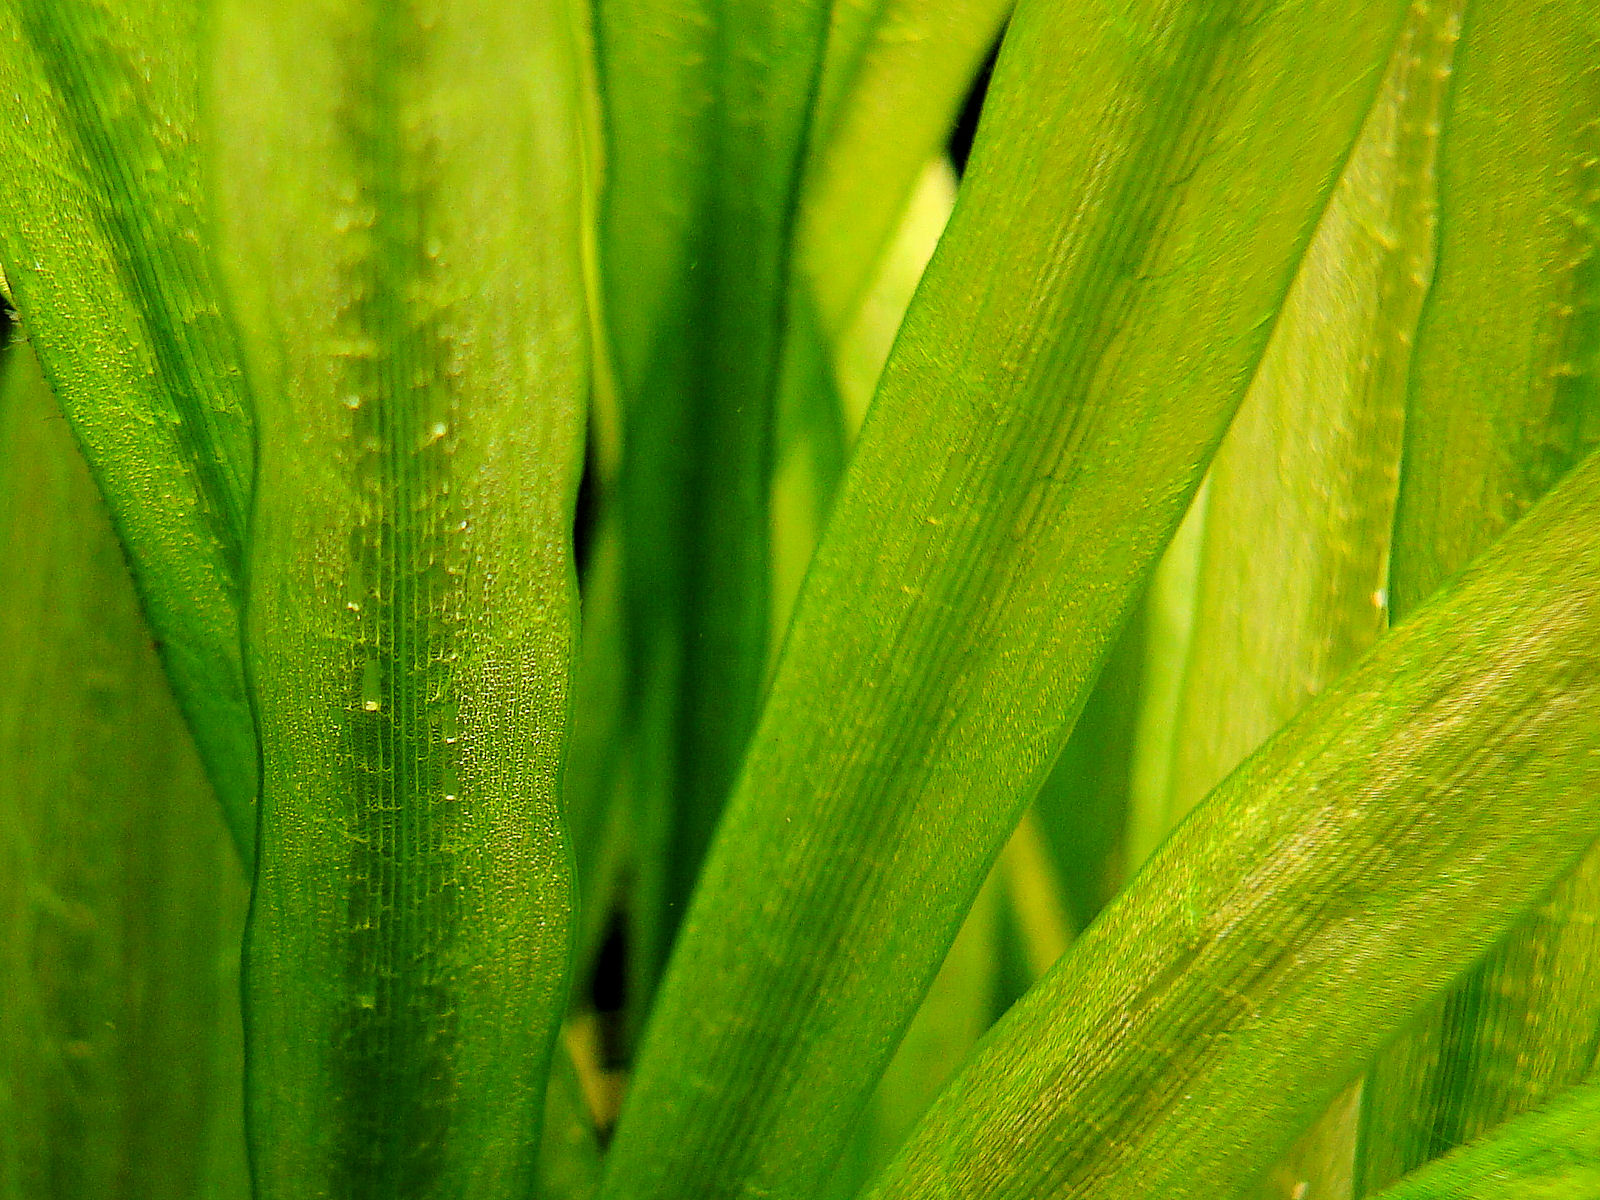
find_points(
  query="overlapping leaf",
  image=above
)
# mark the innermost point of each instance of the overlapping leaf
(1024, 461)
(103, 237)
(1552, 1153)
(1504, 400)
(1315, 901)
(708, 107)
(121, 895)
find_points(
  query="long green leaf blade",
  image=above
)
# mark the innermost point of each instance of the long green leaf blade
(708, 111)
(1552, 1153)
(102, 229)
(121, 895)
(1318, 898)
(1504, 401)
(1294, 572)
(413, 296)
(1022, 465)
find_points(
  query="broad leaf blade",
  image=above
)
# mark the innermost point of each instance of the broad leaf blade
(402, 194)
(1126, 232)
(102, 231)
(121, 895)
(1317, 899)
(1504, 400)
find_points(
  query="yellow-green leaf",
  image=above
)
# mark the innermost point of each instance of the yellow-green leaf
(1327, 890)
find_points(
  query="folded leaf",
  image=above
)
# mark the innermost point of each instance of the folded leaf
(401, 194)
(102, 235)
(1332, 886)
(1127, 230)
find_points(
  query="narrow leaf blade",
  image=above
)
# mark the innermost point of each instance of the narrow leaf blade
(121, 894)
(1551, 1153)
(1504, 401)
(102, 229)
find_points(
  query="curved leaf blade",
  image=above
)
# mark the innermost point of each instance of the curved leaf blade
(413, 296)
(102, 235)
(1293, 582)
(1316, 900)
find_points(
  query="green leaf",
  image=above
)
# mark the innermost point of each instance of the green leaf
(412, 293)
(1169, 633)
(594, 785)
(810, 444)
(1294, 577)
(569, 1160)
(1292, 586)
(708, 107)
(121, 895)
(1126, 232)
(1318, 898)
(894, 79)
(102, 228)
(862, 350)
(1082, 809)
(1504, 399)
(1552, 1153)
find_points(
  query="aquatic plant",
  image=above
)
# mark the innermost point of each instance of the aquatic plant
(734, 666)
